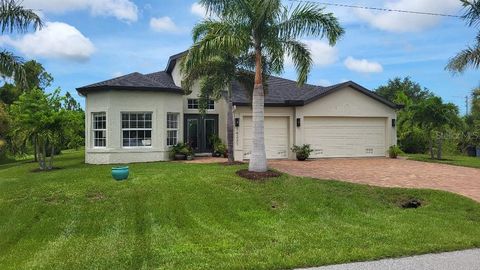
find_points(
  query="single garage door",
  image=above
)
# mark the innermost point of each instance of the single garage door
(345, 136)
(276, 137)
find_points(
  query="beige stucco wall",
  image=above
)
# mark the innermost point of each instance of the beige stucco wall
(345, 102)
(244, 111)
(115, 102)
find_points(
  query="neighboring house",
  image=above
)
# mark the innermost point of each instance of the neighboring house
(138, 117)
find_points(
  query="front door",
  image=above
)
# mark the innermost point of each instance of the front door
(198, 131)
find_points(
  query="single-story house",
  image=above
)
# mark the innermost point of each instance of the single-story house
(138, 117)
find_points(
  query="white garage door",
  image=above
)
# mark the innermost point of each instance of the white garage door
(276, 137)
(345, 137)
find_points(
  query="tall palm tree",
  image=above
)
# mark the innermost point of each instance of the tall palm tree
(15, 18)
(469, 57)
(270, 31)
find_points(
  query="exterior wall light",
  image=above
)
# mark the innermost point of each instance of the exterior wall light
(237, 122)
(394, 122)
(299, 122)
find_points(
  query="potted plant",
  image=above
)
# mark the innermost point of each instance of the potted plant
(302, 152)
(220, 150)
(180, 151)
(120, 173)
(394, 151)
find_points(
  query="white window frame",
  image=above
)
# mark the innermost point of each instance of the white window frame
(168, 128)
(122, 129)
(196, 104)
(94, 114)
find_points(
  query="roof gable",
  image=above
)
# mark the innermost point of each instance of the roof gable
(158, 81)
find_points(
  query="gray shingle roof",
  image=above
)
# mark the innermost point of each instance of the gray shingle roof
(158, 81)
(283, 92)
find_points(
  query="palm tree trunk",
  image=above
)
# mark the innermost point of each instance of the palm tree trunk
(231, 158)
(52, 153)
(35, 148)
(258, 158)
(440, 146)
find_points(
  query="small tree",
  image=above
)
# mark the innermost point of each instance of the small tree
(39, 116)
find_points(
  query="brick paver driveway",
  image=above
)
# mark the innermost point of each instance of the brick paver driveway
(389, 173)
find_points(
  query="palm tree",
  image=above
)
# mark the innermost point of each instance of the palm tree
(270, 31)
(469, 57)
(15, 18)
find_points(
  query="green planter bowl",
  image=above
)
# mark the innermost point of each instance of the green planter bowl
(120, 173)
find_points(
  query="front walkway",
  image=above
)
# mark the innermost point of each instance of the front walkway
(459, 260)
(388, 173)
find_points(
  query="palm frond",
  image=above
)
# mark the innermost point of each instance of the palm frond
(469, 57)
(301, 57)
(11, 66)
(310, 20)
(472, 12)
(14, 17)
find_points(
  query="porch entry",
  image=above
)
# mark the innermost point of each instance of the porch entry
(198, 131)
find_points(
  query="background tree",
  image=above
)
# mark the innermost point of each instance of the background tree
(15, 18)
(436, 117)
(4, 123)
(271, 31)
(36, 77)
(413, 90)
(411, 137)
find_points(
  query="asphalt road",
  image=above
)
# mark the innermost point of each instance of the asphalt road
(458, 260)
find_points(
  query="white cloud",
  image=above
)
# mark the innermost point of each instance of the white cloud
(404, 22)
(163, 24)
(363, 65)
(322, 53)
(198, 10)
(55, 40)
(124, 10)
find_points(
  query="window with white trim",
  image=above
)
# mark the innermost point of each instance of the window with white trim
(194, 104)
(172, 128)
(99, 129)
(136, 129)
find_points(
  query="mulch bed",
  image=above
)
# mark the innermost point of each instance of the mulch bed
(231, 163)
(258, 175)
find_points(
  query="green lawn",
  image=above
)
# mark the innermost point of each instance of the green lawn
(194, 216)
(456, 160)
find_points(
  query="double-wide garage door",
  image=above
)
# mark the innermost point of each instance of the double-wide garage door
(345, 136)
(276, 137)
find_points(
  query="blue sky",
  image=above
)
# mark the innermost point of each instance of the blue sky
(86, 41)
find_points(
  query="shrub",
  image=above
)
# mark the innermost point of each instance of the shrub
(302, 152)
(394, 151)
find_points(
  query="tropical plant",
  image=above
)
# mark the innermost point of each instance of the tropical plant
(302, 152)
(15, 18)
(181, 149)
(270, 31)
